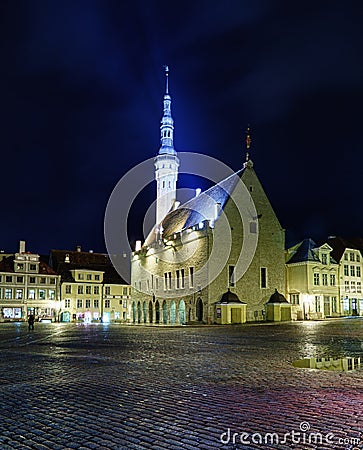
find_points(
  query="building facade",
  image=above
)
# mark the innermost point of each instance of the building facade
(198, 250)
(28, 286)
(312, 278)
(91, 289)
(349, 256)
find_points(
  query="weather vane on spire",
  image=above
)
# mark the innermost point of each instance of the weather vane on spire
(166, 68)
(248, 142)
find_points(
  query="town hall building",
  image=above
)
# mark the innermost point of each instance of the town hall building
(217, 258)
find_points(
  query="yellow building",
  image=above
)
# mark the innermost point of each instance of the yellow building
(91, 289)
(312, 281)
(348, 253)
(28, 286)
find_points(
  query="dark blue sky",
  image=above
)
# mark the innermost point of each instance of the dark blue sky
(81, 100)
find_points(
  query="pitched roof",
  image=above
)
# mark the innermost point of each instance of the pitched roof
(303, 251)
(84, 260)
(339, 245)
(198, 209)
(7, 265)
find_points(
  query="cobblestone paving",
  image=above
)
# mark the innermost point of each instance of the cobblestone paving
(67, 386)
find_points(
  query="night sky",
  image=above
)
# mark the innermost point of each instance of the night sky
(82, 85)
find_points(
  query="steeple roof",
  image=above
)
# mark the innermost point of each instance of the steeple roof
(167, 122)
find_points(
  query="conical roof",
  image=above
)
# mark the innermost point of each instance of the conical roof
(230, 297)
(276, 297)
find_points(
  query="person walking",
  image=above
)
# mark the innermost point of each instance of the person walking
(31, 320)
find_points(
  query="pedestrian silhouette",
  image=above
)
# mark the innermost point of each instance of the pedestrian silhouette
(31, 320)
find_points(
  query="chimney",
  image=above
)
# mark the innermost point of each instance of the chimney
(138, 246)
(79, 248)
(22, 247)
(66, 259)
(197, 192)
(217, 210)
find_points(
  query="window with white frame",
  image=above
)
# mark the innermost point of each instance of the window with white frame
(346, 270)
(352, 286)
(352, 271)
(107, 303)
(67, 303)
(358, 272)
(346, 286)
(294, 299)
(332, 279)
(325, 279)
(88, 302)
(68, 289)
(316, 279)
(317, 303)
(334, 304)
(79, 303)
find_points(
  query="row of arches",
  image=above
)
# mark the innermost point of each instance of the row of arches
(167, 312)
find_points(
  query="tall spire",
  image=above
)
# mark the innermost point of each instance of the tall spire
(248, 142)
(166, 162)
(167, 122)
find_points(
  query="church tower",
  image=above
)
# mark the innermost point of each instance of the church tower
(166, 162)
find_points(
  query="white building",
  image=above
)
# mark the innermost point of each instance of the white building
(28, 285)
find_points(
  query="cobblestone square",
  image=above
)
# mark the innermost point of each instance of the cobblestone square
(75, 386)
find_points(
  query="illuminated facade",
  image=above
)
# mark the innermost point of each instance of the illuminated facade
(91, 289)
(312, 281)
(172, 277)
(28, 286)
(349, 256)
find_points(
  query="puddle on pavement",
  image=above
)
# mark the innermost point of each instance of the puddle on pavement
(340, 364)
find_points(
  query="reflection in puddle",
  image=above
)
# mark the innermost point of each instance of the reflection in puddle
(342, 364)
